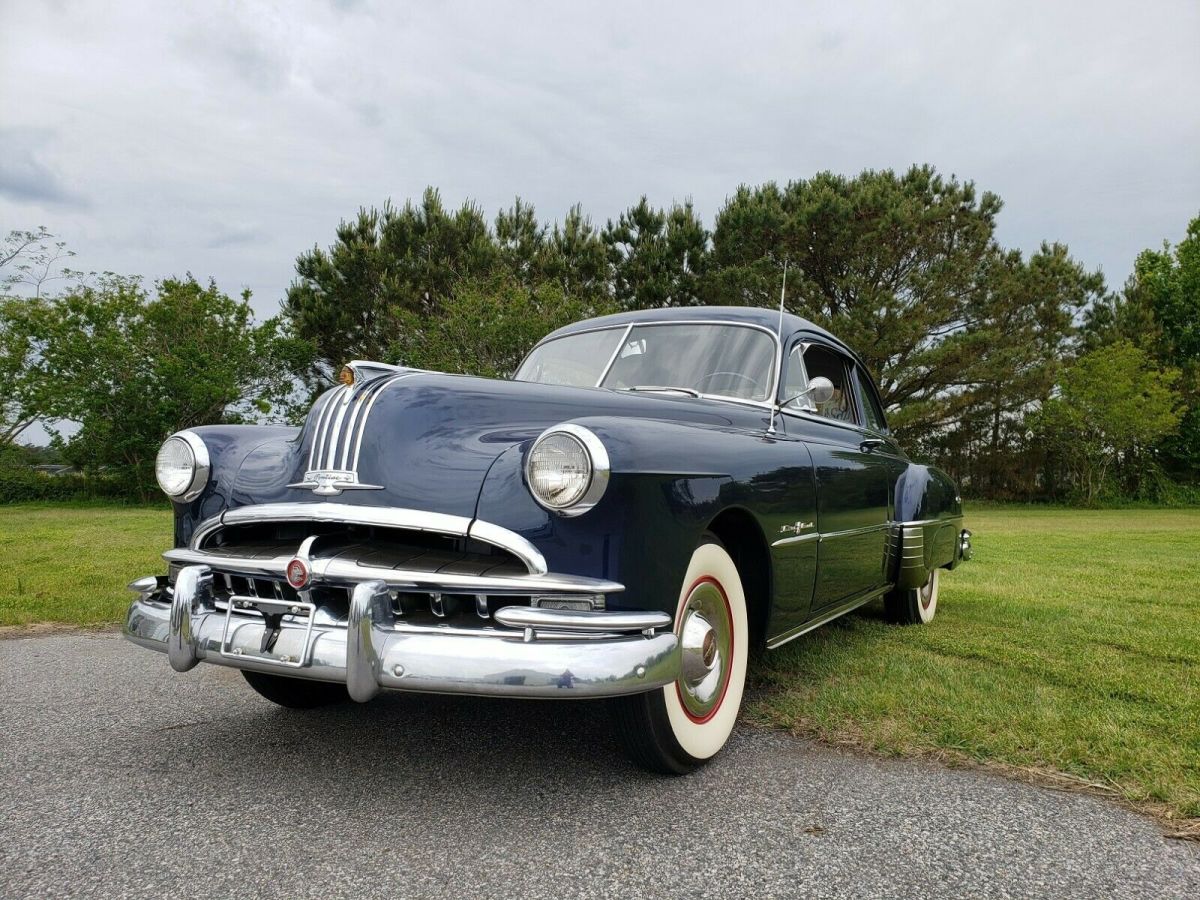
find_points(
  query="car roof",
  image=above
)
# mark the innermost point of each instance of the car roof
(744, 315)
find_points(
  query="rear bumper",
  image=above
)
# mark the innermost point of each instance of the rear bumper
(540, 652)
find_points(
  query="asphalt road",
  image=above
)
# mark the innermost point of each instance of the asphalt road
(120, 778)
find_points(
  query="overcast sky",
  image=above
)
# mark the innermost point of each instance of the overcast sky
(226, 138)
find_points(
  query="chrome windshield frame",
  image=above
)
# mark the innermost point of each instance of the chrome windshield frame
(627, 327)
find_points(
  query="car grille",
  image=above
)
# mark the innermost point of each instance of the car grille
(372, 546)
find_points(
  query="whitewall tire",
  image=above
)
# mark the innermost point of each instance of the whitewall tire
(686, 723)
(917, 606)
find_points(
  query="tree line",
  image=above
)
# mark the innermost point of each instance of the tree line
(1022, 375)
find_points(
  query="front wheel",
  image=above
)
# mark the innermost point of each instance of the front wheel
(295, 693)
(916, 606)
(681, 726)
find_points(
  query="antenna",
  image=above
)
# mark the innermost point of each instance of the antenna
(782, 295)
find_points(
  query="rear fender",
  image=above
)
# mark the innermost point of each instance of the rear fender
(926, 524)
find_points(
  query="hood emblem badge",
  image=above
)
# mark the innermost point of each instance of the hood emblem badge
(331, 482)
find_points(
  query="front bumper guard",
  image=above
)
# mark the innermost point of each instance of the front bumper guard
(547, 652)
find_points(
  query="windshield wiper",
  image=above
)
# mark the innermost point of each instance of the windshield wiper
(663, 389)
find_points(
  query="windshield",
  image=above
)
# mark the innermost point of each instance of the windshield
(723, 360)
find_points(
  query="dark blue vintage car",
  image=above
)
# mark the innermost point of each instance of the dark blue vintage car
(653, 495)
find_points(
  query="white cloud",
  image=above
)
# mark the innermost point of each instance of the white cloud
(226, 139)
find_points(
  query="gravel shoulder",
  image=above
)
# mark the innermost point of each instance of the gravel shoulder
(119, 777)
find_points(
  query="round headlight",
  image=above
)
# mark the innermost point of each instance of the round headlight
(567, 469)
(181, 466)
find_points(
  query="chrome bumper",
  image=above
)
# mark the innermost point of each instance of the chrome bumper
(540, 652)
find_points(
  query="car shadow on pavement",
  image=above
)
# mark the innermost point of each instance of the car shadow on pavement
(395, 737)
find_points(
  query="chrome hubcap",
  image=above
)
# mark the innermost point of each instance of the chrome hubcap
(927, 592)
(706, 642)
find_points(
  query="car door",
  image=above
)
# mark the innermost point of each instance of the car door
(854, 479)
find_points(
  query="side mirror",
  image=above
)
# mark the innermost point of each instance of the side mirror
(819, 390)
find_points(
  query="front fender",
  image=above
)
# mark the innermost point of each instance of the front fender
(239, 456)
(644, 529)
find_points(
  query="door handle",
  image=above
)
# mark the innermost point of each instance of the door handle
(869, 444)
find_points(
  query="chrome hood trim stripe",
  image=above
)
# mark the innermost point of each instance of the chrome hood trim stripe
(341, 421)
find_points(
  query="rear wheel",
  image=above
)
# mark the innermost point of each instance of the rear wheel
(295, 693)
(916, 606)
(681, 726)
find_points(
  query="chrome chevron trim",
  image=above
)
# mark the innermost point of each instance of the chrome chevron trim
(335, 430)
(330, 400)
(362, 425)
(339, 425)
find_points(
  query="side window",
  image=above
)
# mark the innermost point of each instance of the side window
(870, 403)
(805, 364)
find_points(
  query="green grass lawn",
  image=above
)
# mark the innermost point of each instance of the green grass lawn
(70, 564)
(1070, 644)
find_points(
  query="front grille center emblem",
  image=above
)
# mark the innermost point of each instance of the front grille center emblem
(297, 573)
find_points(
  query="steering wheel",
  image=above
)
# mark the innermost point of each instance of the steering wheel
(754, 384)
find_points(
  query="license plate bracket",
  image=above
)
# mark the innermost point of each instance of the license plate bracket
(268, 606)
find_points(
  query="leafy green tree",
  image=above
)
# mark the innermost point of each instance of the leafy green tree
(19, 367)
(32, 259)
(1170, 281)
(521, 242)
(657, 256)
(1014, 346)
(1113, 405)
(348, 301)
(577, 258)
(893, 264)
(488, 325)
(29, 260)
(131, 368)
(961, 335)
(1159, 311)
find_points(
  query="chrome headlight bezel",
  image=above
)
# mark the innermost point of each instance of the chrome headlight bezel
(597, 456)
(201, 466)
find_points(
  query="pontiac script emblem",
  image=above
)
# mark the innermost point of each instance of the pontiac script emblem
(795, 527)
(331, 482)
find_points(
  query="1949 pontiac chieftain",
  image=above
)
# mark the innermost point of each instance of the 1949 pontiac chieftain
(651, 496)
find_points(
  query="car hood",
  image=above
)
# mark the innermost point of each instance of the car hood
(425, 441)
